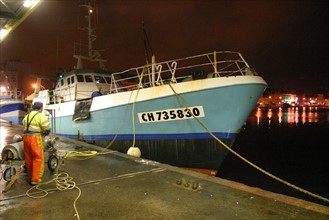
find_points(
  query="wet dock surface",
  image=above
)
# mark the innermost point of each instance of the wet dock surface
(116, 186)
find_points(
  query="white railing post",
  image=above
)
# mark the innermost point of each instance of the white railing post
(153, 71)
(216, 74)
(173, 71)
(159, 79)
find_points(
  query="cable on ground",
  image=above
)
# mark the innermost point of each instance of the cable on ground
(63, 182)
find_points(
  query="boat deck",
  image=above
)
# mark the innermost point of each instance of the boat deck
(116, 186)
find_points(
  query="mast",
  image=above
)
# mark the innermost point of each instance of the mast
(92, 55)
(147, 46)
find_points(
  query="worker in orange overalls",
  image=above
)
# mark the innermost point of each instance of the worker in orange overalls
(35, 125)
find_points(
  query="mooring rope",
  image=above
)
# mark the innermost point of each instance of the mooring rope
(181, 101)
(134, 103)
(63, 182)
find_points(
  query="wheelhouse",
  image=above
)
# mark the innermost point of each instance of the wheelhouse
(81, 84)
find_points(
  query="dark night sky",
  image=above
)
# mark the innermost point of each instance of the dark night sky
(287, 42)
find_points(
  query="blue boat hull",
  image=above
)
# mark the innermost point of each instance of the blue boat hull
(183, 143)
(12, 111)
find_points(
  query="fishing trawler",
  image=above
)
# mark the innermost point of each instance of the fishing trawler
(180, 111)
(12, 106)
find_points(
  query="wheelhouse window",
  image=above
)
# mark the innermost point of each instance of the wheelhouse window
(88, 78)
(80, 78)
(58, 84)
(99, 79)
(68, 81)
(72, 79)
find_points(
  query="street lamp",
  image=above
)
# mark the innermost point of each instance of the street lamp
(41, 86)
(3, 89)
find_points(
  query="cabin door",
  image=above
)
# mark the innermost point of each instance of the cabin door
(71, 88)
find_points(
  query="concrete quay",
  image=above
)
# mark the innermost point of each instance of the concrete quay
(113, 185)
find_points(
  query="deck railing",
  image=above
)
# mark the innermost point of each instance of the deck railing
(216, 64)
(11, 95)
(209, 65)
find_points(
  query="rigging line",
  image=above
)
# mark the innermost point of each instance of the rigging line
(115, 136)
(146, 43)
(133, 107)
(180, 99)
(119, 128)
(89, 155)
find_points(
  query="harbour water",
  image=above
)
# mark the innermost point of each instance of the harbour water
(291, 143)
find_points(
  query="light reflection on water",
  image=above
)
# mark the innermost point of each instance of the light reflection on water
(291, 143)
(292, 115)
